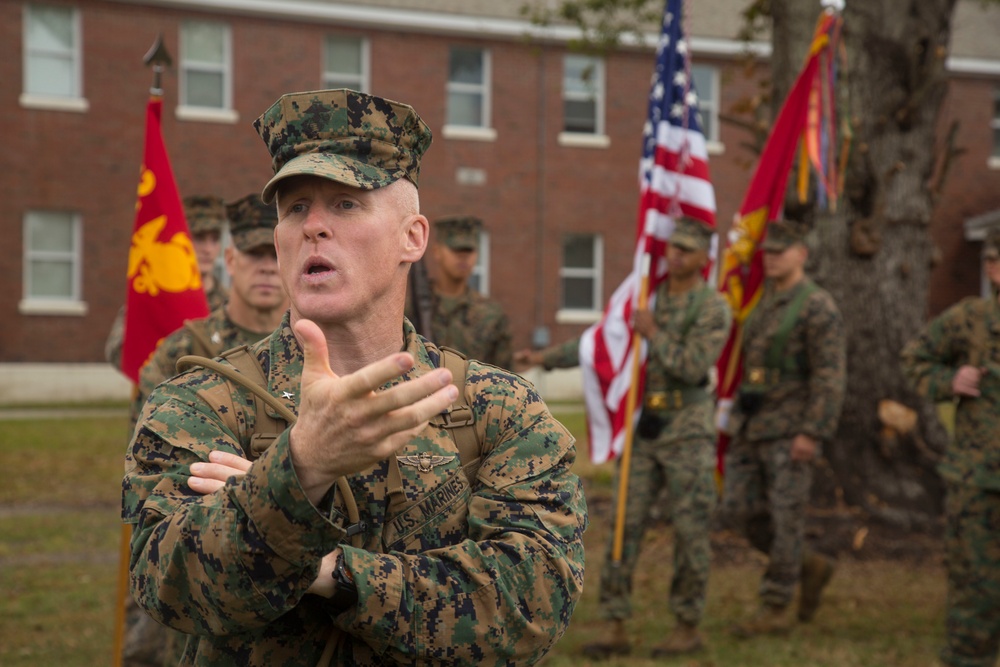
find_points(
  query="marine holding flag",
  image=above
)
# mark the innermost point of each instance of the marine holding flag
(786, 353)
(683, 335)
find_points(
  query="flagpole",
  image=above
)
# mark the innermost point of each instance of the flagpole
(159, 58)
(626, 457)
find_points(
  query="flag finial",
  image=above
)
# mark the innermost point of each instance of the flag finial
(835, 5)
(160, 59)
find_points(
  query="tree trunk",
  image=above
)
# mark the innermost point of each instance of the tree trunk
(874, 253)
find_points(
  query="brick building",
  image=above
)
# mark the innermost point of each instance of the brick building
(539, 141)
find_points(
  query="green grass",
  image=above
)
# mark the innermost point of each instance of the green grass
(59, 540)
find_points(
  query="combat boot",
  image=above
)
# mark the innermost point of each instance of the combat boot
(817, 570)
(615, 642)
(684, 638)
(767, 620)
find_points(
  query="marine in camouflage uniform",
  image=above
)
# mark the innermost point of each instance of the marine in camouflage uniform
(462, 318)
(257, 301)
(789, 403)
(957, 357)
(674, 448)
(438, 566)
(205, 216)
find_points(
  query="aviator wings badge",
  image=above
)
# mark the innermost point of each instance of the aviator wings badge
(425, 461)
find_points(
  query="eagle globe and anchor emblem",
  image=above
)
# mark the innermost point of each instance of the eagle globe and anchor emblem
(155, 266)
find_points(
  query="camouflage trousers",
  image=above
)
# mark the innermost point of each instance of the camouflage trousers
(685, 468)
(765, 499)
(972, 552)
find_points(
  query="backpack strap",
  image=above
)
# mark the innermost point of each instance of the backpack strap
(776, 357)
(247, 372)
(459, 418)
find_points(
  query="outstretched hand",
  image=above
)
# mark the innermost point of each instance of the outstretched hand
(345, 424)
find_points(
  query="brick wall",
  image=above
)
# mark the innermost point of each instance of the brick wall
(535, 192)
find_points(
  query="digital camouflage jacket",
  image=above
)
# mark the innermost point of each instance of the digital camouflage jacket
(451, 571)
(808, 399)
(219, 332)
(684, 350)
(966, 333)
(474, 325)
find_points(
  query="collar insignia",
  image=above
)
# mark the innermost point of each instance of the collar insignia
(287, 394)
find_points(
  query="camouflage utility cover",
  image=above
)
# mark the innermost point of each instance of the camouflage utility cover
(930, 362)
(458, 232)
(251, 222)
(349, 137)
(451, 571)
(473, 324)
(204, 213)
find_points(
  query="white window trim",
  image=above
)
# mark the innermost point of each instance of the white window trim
(714, 110)
(227, 78)
(486, 88)
(585, 315)
(468, 133)
(33, 305)
(365, 77)
(482, 269)
(207, 114)
(53, 103)
(73, 102)
(600, 79)
(581, 140)
(575, 316)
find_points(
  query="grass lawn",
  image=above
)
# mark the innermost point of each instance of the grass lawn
(59, 538)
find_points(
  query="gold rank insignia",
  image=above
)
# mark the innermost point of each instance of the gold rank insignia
(425, 461)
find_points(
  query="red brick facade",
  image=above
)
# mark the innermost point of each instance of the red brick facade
(535, 190)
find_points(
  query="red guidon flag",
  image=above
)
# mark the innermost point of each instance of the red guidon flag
(742, 267)
(164, 284)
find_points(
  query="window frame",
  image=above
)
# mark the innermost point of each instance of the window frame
(484, 131)
(187, 111)
(566, 315)
(712, 139)
(993, 160)
(480, 279)
(74, 100)
(72, 304)
(364, 77)
(599, 98)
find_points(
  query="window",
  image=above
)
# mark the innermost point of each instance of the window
(583, 94)
(468, 110)
(580, 274)
(345, 63)
(206, 71)
(52, 58)
(706, 84)
(480, 278)
(995, 124)
(52, 263)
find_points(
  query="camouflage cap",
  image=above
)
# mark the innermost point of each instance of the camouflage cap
(991, 244)
(251, 222)
(781, 234)
(460, 232)
(691, 234)
(204, 213)
(349, 137)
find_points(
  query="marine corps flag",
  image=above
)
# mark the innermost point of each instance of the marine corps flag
(164, 284)
(806, 118)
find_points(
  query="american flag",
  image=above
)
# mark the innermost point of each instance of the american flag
(673, 180)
